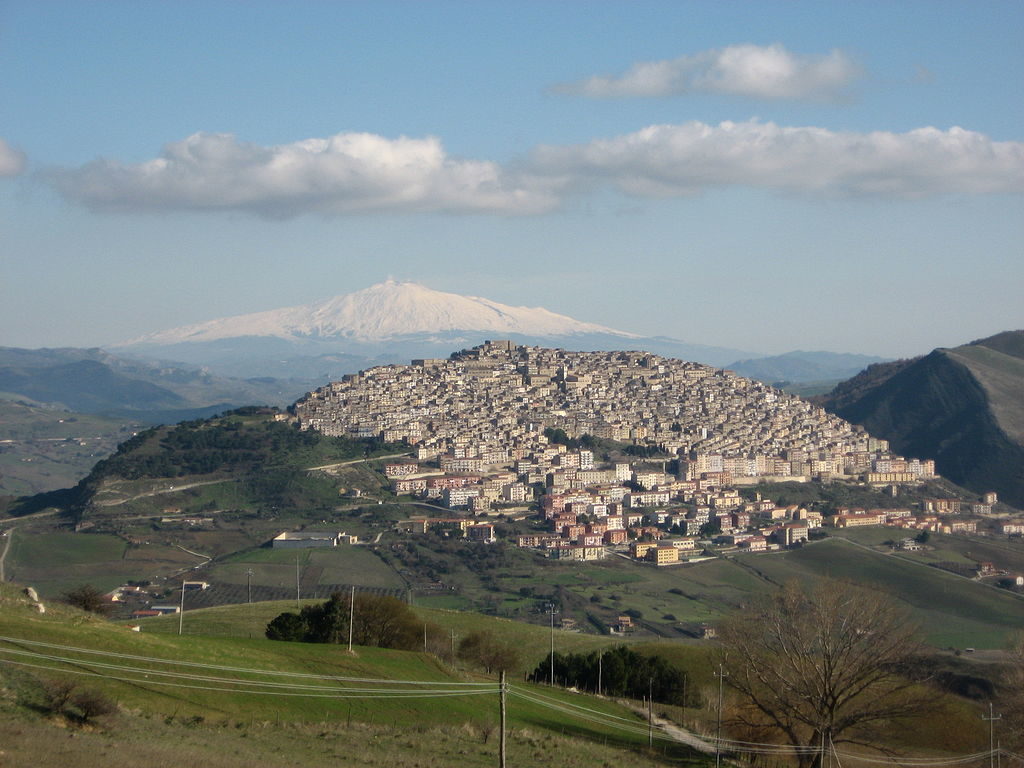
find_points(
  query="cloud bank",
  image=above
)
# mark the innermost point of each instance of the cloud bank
(678, 160)
(762, 72)
(12, 162)
(354, 173)
(342, 174)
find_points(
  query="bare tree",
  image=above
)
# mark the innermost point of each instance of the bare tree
(1013, 699)
(822, 665)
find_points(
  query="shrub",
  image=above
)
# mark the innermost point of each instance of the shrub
(381, 621)
(90, 704)
(88, 598)
(483, 649)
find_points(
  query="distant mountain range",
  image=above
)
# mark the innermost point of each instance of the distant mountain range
(387, 323)
(802, 367)
(962, 407)
(96, 381)
(276, 356)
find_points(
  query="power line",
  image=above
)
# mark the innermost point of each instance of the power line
(339, 694)
(223, 668)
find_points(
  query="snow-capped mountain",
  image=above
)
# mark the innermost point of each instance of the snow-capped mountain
(391, 322)
(382, 312)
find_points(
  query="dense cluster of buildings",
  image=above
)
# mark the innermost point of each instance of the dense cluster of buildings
(489, 429)
(489, 407)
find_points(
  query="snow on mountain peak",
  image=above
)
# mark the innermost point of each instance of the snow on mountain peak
(381, 312)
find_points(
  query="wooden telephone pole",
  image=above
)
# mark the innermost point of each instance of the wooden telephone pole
(501, 709)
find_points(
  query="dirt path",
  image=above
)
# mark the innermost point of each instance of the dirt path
(8, 536)
(357, 461)
(161, 491)
(676, 732)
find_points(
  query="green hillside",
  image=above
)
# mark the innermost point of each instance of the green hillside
(255, 697)
(961, 407)
(953, 611)
(260, 462)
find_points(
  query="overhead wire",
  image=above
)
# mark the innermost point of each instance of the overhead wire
(441, 689)
(340, 693)
(297, 689)
(223, 668)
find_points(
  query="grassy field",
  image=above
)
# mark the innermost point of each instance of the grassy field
(246, 707)
(49, 448)
(954, 611)
(235, 710)
(250, 621)
(503, 581)
(319, 568)
(56, 561)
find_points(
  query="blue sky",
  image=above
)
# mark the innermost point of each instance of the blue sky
(765, 176)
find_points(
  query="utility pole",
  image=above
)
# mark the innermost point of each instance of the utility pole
(297, 589)
(181, 609)
(501, 710)
(721, 675)
(600, 663)
(351, 615)
(552, 612)
(991, 735)
(248, 582)
(684, 700)
(650, 711)
(453, 647)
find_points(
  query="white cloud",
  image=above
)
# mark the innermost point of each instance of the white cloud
(353, 173)
(673, 160)
(767, 72)
(12, 162)
(341, 174)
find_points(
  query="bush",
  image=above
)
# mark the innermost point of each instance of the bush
(91, 704)
(483, 649)
(88, 598)
(381, 621)
(64, 697)
(56, 696)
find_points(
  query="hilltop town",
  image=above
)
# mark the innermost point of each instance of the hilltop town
(502, 426)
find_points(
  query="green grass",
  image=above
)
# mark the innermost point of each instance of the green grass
(953, 611)
(341, 565)
(250, 621)
(54, 562)
(167, 713)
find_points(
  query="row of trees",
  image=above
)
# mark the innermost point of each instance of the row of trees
(616, 672)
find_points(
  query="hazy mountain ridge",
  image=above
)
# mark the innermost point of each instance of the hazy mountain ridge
(962, 407)
(95, 381)
(802, 366)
